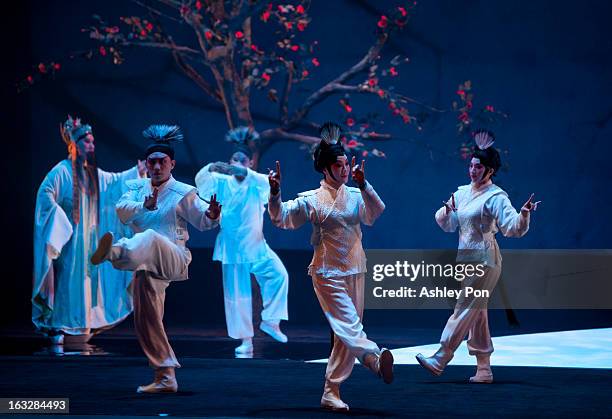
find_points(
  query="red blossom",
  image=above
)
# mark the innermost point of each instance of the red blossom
(294, 48)
(198, 4)
(352, 144)
(382, 23)
(315, 62)
(112, 29)
(381, 93)
(300, 9)
(254, 47)
(143, 33)
(489, 108)
(406, 119)
(149, 26)
(42, 68)
(463, 116)
(348, 108)
(402, 10)
(396, 111)
(469, 104)
(365, 153)
(350, 122)
(461, 92)
(393, 72)
(265, 16)
(305, 73)
(184, 10)
(208, 35)
(392, 105)
(301, 26)
(239, 34)
(372, 82)
(57, 66)
(288, 25)
(266, 77)
(30, 79)
(102, 50)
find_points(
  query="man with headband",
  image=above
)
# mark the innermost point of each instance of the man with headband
(241, 246)
(74, 204)
(158, 210)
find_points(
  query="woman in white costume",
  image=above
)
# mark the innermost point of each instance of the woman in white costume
(157, 210)
(241, 247)
(479, 210)
(75, 204)
(338, 266)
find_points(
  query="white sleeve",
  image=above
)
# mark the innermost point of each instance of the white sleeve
(510, 222)
(128, 208)
(447, 222)
(193, 209)
(288, 215)
(371, 206)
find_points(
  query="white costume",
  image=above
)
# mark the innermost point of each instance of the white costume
(157, 254)
(242, 250)
(70, 294)
(480, 214)
(338, 265)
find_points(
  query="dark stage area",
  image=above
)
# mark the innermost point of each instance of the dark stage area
(288, 388)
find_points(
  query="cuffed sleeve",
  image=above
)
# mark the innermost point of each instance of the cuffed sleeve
(288, 215)
(371, 206)
(510, 222)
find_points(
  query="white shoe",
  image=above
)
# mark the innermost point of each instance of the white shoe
(484, 375)
(245, 348)
(103, 250)
(380, 364)
(436, 363)
(331, 399)
(273, 329)
(164, 382)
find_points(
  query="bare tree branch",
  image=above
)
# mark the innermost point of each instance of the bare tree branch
(275, 134)
(284, 102)
(196, 77)
(331, 87)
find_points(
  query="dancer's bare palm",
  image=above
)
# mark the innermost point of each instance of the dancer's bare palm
(214, 208)
(358, 173)
(150, 201)
(450, 204)
(529, 206)
(274, 178)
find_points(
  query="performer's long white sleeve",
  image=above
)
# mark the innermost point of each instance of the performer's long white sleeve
(193, 209)
(288, 215)
(447, 221)
(372, 206)
(510, 222)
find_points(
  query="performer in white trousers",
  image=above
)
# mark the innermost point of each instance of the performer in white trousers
(75, 204)
(158, 211)
(338, 264)
(479, 210)
(241, 246)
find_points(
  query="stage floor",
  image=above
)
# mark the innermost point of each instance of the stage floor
(100, 378)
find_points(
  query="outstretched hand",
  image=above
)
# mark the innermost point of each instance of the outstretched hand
(214, 208)
(358, 173)
(150, 201)
(529, 206)
(274, 178)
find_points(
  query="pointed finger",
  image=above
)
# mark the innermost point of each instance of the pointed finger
(278, 169)
(353, 163)
(362, 165)
(453, 200)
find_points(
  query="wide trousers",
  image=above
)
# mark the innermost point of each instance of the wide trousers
(273, 281)
(342, 301)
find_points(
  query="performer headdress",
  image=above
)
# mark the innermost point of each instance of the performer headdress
(329, 148)
(484, 151)
(163, 137)
(241, 137)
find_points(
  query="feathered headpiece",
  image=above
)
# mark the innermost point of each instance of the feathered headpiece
(241, 137)
(329, 148)
(163, 136)
(484, 139)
